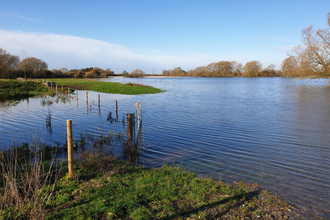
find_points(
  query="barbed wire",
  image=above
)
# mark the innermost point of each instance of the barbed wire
(44, 128)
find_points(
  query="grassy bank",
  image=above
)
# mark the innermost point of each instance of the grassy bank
(165, 193)
(106, 87)
(105, 188)
(16, 90)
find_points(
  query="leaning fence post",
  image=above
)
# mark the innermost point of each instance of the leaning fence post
(70, 153)
(129, 128)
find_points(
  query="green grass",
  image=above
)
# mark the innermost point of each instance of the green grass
(165, 193)
(16, 90)
(106, 87)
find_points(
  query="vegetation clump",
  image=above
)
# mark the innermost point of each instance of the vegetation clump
(16, 90)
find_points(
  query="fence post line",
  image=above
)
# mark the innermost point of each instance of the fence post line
(129, 128)
(70, 153)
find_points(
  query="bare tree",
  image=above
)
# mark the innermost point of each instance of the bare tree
(252, 69)
(32, 64)
(290, 66)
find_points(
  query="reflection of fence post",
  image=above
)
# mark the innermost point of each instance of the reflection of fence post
(129, 128)
(70, 153)
(116, 112)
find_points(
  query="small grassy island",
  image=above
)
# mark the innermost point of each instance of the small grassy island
(106, 87)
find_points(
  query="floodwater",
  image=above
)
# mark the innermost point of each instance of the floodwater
(272, 131)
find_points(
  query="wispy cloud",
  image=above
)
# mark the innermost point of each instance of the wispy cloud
(77, 52)
(285, 48)
(15, 15)
(268, 38)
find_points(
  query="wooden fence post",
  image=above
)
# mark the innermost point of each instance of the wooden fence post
(62, 90)
(98, 97)
(77, 94)
(56, 89)
(129, 128)
(70, 153)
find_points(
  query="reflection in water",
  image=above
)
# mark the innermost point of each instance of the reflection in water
(49, 123)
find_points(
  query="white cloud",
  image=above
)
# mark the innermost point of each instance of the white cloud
(77, 52)
(15, 15)
(286, 48)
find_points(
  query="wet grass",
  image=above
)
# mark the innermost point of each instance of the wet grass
(16, 90)
(165, 193)
(106, 87)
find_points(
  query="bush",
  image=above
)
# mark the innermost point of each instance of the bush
(103, 75)
(91, 75)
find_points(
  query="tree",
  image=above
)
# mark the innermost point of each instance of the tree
(32, 65)
(7, 63)
(252, 69)
(290, 66)
(177, 71)
(314, 56)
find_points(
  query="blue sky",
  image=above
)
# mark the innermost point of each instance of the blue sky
(155, 35)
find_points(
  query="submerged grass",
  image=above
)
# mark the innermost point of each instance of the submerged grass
(106, 87)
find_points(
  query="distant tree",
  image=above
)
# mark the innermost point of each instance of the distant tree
(252, 69)
(63, 70)
(177, 71)
(103, 75)
(32, 65)
(137, 73)
(91, 75)
(109, 72)
(7, 63)
(124, 73)
(166, 72)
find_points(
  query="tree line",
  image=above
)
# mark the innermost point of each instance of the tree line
(226, 69)
(311, 59)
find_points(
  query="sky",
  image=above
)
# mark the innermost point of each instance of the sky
(154, 35)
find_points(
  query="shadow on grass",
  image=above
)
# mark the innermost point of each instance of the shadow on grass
(248, 196)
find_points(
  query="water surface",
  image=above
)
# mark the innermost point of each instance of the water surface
(273, 131)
